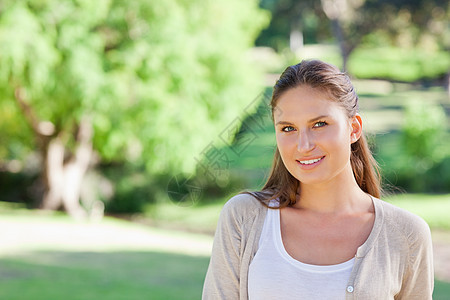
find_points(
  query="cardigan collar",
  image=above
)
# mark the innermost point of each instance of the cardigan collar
(376, 229)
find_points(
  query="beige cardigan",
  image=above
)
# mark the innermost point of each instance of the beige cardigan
(395, 262)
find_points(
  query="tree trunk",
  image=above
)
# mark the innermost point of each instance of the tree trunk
(64, 179)
(343, 46)
(296, 42)
(335, 10)
(53, 174)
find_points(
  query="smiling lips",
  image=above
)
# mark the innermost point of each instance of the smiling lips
(310, 161)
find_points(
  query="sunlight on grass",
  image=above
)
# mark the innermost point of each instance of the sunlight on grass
(382, 103)
(382, 121)
(434, 209)
(197, 218)
(34, 233)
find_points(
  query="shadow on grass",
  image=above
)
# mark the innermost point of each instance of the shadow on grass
(441, 290)
(88, 275)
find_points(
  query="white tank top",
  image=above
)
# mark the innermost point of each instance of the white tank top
(274, 274)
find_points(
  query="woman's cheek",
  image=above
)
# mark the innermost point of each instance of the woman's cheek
(286, 142)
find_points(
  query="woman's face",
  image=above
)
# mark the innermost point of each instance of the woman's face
(314, 135)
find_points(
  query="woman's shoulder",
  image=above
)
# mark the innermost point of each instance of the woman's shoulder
(243, 202)
(409, 224)
(243, 206)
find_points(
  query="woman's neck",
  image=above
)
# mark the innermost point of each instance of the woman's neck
(340, 195)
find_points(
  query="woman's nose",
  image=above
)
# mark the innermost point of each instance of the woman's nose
(305, 141)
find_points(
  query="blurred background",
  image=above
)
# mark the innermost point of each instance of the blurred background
(126, 125)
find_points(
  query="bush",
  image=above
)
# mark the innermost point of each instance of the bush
(27, 193)
(424, 126)
(133, 189)
(417, 158)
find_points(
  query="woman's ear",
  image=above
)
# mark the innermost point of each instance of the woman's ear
(356, 128)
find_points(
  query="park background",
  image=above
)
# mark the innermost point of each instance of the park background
(126, 125)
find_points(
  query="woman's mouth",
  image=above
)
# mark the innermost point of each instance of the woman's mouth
(310, 162)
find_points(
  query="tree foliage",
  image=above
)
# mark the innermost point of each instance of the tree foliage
(156, 80)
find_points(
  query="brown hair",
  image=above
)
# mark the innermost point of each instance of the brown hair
(317, 74)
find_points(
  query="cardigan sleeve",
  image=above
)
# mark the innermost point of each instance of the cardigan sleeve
(222, 278)
(418, 280)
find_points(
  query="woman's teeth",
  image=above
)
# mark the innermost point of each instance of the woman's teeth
(308, 162)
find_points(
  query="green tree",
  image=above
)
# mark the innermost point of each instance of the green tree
(146, 82)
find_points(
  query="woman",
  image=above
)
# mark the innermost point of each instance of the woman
(317, 229)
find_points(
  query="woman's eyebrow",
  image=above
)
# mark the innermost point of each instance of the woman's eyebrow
(283, 123)
(318, 118)
(310, 121)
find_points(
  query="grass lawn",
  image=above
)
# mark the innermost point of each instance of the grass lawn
(112, 275)
(50, 256)
(441, 290)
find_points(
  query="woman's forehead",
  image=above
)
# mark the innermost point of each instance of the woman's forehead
(306, 102)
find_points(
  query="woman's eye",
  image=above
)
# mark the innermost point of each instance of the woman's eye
(320, 124)
(287, 128)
